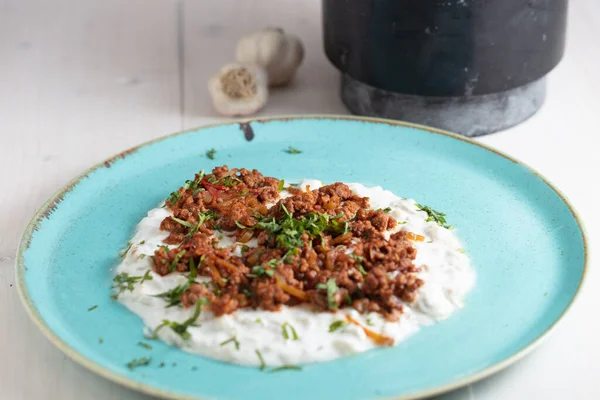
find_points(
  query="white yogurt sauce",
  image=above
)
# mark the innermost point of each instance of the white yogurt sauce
(445, 270)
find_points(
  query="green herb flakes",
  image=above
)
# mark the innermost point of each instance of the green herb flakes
(262, 360)
(146, 277)
(174, 197)
(233, 340)
(287, 230)
(241, 226)
(281, 185)
(435, 216)
(184, 223)
(181, 328)
(211, 154)
(173, 265)
(93, 307)
(291, 150)
(337, 325)
(138, 362)
(173, 296)
(462, 251)
(123, 282)
(359, 265)
(287, 368)
(286, 328)
(332, 289)
(123, 253)
(264, 270)
(145, 345)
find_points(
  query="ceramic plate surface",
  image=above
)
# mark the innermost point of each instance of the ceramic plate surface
(524, 239)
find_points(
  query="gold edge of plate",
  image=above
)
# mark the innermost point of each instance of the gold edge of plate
(46, 209)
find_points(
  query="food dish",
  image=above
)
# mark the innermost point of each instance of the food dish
(522, 236)
(249, 269)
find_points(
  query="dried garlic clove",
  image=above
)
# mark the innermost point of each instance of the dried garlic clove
(278, 52)
(239, 89)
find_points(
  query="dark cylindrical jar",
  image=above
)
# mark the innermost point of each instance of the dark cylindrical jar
(470, 66)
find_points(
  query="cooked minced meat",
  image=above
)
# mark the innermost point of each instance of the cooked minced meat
(323, 247)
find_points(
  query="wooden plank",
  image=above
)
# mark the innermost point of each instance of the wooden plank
(79, 82)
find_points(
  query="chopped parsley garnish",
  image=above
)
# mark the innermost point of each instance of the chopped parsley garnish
(286, 335)
(145, 345)
(233, 340)
(369, 322)
(124, 282)
(337, 325)
(142, 242)
(264, 270)
(262, 360)
(193, 271)
(402, 222)
(462, 251)
(359, 259)
(348, 299)
(228, 181)
(142, 256)
(184, 223)
(123, 253)
(287, 367)
(211, 154)
(181, 328)
(93, 307)
(332, 289)
(193, 185)
(281, 185)
(435, 216)
(196, 185)
(146, 277)
(241, 226)
(100, 340)
(291, 150)
(294, 184)
(247, 293)
(173, 296)
(258, 320)
(288, 230)
(174, 197)
(176, 260)
(138, 362)
(193, 228)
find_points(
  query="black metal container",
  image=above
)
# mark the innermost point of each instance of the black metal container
(469, 66)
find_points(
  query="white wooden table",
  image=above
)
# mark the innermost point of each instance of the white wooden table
(81, 80)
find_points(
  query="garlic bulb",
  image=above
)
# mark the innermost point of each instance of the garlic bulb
(278, 52)
(239, 89)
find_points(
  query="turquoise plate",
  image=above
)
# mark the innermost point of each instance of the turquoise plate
(525, 241)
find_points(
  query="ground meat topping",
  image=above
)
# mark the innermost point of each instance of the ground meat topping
(324, 247)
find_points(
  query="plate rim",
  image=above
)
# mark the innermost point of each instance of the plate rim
(48, 207)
